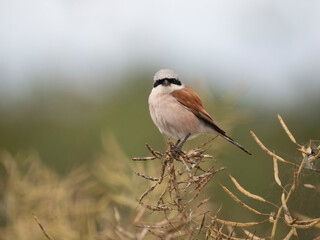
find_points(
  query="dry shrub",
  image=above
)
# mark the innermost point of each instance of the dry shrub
(101, 201)
(181, 180)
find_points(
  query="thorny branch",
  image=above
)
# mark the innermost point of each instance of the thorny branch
(182, 176)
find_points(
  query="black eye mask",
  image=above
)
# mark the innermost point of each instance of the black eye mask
(170, 80)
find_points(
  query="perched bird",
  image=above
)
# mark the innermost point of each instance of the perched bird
(178, 111)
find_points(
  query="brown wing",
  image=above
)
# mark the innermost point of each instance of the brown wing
(188, 98)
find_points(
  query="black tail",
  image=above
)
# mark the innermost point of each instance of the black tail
(235, 143)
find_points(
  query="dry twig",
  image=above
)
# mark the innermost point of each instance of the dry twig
(46, 234)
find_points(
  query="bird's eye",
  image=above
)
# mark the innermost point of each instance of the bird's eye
(158, 82)
(174, 81)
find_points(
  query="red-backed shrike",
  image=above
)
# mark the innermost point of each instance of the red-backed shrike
(178, 111)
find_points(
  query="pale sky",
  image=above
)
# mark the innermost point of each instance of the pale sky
(271, 46)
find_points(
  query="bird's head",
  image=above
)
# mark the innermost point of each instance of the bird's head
(166, 78)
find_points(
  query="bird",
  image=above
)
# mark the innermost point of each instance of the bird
(178, 111)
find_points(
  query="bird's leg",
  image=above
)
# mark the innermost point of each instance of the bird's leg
(179, 147)
(184, 140)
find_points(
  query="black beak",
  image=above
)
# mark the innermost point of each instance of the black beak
(166, 82)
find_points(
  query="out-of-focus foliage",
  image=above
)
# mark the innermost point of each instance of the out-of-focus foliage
(59, 161)
(75, 206)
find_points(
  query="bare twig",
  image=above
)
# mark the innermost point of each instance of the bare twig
(287, 131)
(46, 234)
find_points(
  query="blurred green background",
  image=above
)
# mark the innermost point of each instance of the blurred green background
(74, 104)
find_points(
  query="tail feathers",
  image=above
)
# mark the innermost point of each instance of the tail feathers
(235, 143)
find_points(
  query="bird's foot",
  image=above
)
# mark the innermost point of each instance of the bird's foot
(176, 149)
(178, 146)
